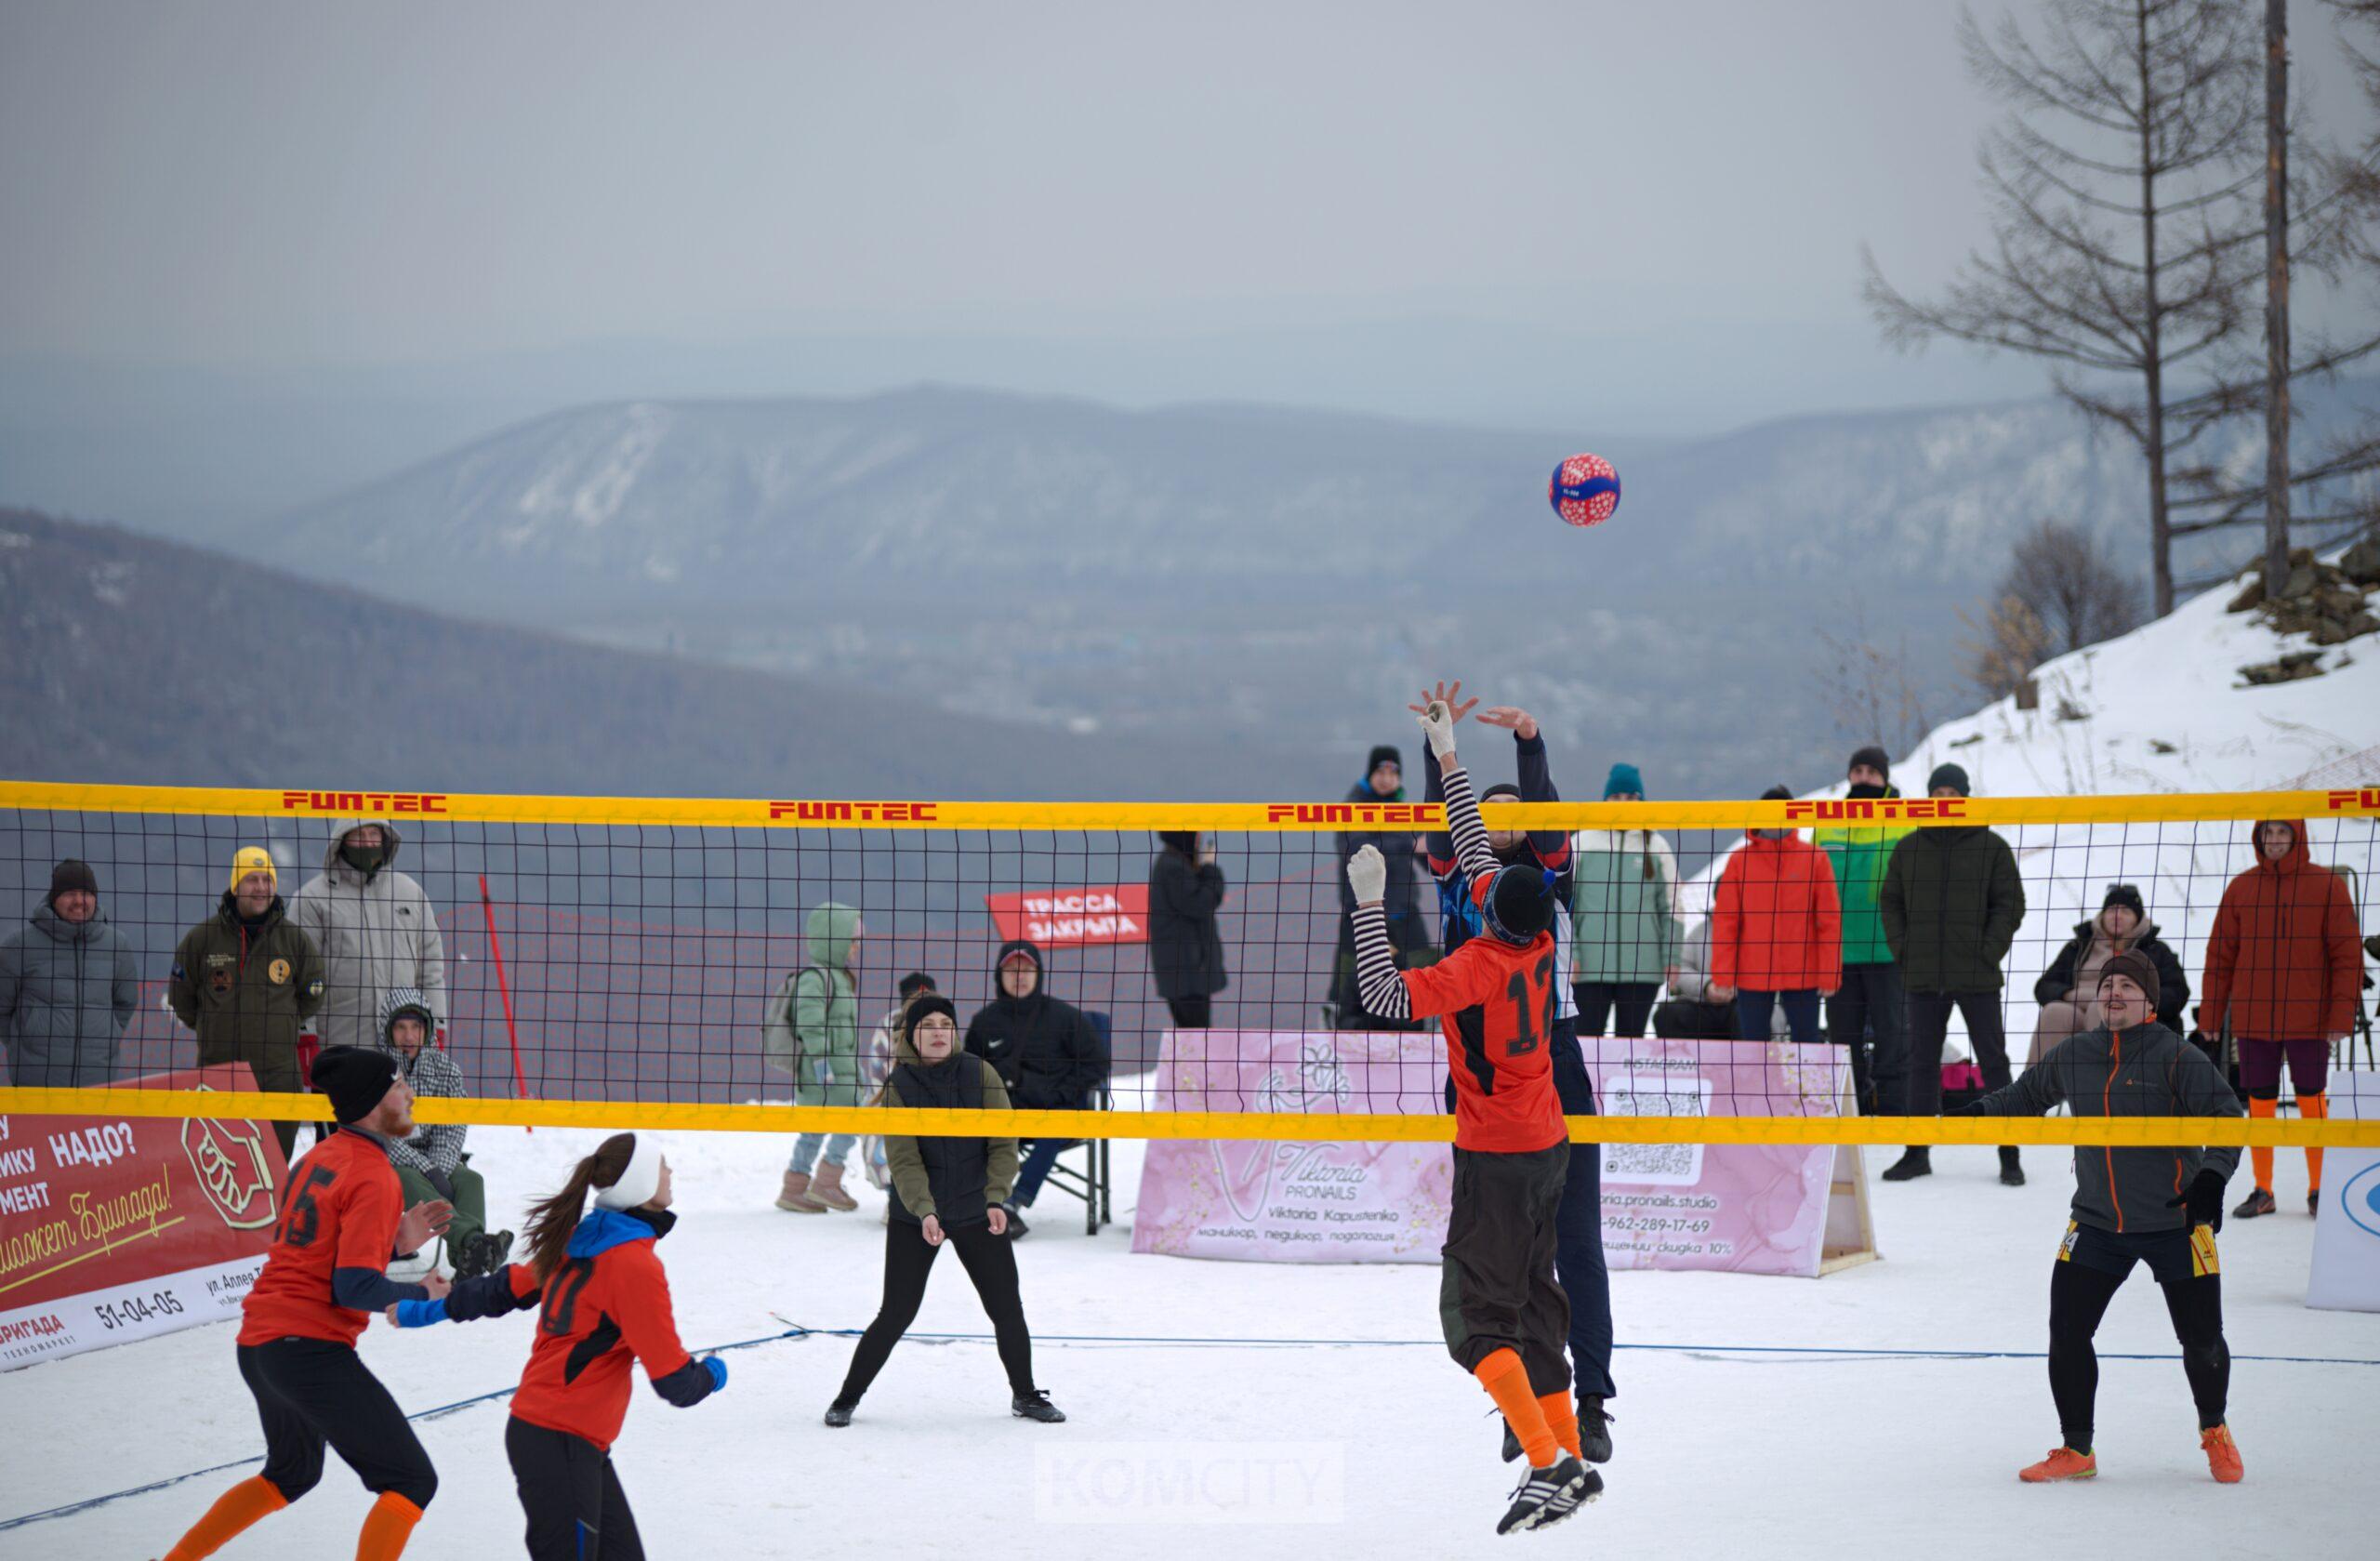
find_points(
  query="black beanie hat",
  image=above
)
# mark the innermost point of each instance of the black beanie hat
(915, 982)
(1777, 794)
(67, 876)
(355, 1079)
(930, 1002)
(2125, 894)
(2137, 965)
(1385, 754)
(1500, 791)
(1950, 775)
(1872, 756)
(1520, 902)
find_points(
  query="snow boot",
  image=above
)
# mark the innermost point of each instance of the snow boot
(828, 1188)
(795, 1198)
(2012, 1173)
(1547, 1496)
(839, 1413)
(2314, 1203)
(2063, 1463)
(2258, 1201)
(1016, 1226)
(1914, 1163)
(2222, 1455)
(1036, 1405)
(1595, 1429)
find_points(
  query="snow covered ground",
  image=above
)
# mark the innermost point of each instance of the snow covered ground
(1734, 1438)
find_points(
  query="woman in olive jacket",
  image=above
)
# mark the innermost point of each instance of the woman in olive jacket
(945, 1190)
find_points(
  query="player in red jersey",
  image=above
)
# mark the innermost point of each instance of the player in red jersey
(1505, 1316)
(341, 1221)
(606, 1304)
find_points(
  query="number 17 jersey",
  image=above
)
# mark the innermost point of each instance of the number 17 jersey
(1496, 1004)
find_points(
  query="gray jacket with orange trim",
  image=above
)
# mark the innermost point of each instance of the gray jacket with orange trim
(2145, 1071)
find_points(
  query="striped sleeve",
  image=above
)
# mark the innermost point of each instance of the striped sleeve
(1376, 978)
(1462, 822)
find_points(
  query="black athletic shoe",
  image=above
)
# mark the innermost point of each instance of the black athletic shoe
(839, 1411)
(1037, 1406)
(2012, 1175)
(1547, 1496)
(2258, 1201)
(1909, 1167)
(1512, 1441)
(475, 1257)
(1595, 1432)
(2314, 1201)
(1016, 1226)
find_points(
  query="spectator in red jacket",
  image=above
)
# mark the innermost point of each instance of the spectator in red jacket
(1776, 932)
(2283, 963)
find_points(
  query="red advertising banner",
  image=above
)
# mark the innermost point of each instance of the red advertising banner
(113, 1229)
(1073, 917)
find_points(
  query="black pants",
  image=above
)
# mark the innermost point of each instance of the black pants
(1682, 1019)
(309, 1392)
(1871, 1000)
(2078, 1299)
(577, 1511)
(1579, 1256)
(1191, 1013)
(1598, 1000)
(990, 1261)
(1929, 1021)
(1497, 1289)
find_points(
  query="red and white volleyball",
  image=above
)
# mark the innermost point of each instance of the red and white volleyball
(1584, 491)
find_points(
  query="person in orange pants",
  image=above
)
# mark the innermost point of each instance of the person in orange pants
(2283, 964)
(326, 1273)
(1504, 1315)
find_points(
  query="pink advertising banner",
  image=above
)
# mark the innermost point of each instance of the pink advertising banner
(1301, 1202)
(1747, 1208)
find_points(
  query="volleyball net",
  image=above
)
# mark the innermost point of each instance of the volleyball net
(616, 961)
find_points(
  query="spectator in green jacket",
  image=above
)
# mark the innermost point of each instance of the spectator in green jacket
(1952, 903)
(246, 979)
(1623, 916)
(1865, 1012)
(826, 1017)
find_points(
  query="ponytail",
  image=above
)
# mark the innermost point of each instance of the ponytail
(552, 1220)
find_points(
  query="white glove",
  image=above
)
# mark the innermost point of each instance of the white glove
(1438, 722)
(1367, 875)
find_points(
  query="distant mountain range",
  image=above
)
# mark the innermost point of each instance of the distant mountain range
(127, 659)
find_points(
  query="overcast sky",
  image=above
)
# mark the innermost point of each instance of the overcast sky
(234, 184)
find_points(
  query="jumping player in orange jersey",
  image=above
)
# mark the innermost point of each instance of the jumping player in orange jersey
(341, 1221)
(1504, 1315)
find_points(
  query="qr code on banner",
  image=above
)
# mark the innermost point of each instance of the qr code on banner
(1664, 1165)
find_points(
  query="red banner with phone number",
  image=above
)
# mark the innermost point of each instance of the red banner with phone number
(113, 1229)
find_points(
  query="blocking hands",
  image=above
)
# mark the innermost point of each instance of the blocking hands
(1367, 870)
(1437, 723)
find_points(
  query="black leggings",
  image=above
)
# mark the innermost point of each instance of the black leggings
(990, 1261)
(1191, 1013)
(309, 1393)
(1628, 1002)
(577, 1511)
(2078, 1299)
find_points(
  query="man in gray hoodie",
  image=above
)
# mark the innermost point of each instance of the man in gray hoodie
(2158, 1206)
(374, 929)
(68, 988)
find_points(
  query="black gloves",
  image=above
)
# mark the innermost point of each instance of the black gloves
(2204, 1198)
(1972, 1108)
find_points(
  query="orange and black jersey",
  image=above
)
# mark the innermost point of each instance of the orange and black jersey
(1496, 1002)
(327, 1270)
(606, 1306)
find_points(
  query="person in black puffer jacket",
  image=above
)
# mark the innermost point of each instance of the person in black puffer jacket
(945, 1189)
(1047, 1053)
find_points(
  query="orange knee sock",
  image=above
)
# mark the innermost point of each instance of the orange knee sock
(1506, 1380)
(237, 1509)
(2313, 1108)
(387, 1527)
(1562, 1418)
(2259, 1156)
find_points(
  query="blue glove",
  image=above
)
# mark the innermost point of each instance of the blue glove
(421, 1314)
(718, 1369)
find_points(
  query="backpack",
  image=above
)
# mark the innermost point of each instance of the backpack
(780, 1042)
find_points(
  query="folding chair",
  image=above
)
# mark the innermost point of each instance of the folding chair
(1090, 1182)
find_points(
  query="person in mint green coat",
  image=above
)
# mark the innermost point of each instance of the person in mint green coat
(826, 1017)
(1623, 918)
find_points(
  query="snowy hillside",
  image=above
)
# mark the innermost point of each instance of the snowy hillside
(2161, 709)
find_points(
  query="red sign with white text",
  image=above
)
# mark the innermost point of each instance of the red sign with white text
(1073, 917)
(116, 1228)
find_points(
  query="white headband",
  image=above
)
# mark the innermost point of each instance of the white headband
(638, 1182)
